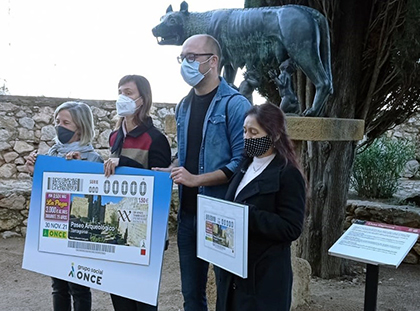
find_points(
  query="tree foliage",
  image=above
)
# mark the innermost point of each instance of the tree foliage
(389, 88)
(375, 55)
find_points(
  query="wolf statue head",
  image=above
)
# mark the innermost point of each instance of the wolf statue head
(170, 30)
(258, 37)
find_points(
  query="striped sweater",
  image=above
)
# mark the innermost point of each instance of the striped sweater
(143, 147)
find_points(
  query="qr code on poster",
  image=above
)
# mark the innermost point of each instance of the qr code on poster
(65, 184)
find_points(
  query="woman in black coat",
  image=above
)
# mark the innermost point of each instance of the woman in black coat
(270, 182)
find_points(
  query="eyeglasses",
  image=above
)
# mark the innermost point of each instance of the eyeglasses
(190, 57)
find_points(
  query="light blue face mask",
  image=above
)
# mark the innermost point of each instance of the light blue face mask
(191, 73)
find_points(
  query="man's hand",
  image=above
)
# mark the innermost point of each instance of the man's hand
(110, 165)
(181, 176)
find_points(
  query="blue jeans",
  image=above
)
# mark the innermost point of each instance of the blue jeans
(193, 270)
(82, 299)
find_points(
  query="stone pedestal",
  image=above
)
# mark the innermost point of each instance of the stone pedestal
(324, 129)
(302, 129)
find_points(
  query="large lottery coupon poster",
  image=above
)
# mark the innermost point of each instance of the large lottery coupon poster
(105, 233)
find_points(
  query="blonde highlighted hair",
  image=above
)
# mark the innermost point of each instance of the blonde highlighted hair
(82, 117)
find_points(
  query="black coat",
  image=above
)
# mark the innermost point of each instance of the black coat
(276, 200)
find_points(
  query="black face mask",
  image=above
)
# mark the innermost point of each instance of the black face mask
(64, 135)
(255, 147)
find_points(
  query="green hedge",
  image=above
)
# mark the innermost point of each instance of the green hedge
(377, 169)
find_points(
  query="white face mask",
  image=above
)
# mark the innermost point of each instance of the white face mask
(191, 73)
(125, 106)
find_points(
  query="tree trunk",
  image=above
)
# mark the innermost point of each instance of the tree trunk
(329, 164)
(327, 196)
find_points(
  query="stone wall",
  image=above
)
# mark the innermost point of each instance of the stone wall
(409, 130)
(402, 215)
(26, 124)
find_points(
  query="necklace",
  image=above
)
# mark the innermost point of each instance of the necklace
(259, 163)
(255, 167)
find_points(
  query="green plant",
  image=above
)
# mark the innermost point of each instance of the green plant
(378, 167)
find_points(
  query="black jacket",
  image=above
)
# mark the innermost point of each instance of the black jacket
(276, 200)
(143, 147)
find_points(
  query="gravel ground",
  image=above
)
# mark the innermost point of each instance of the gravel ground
(24, 290)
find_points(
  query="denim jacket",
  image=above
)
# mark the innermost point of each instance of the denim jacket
(222, 144)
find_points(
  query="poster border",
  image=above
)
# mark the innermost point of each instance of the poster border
(132, 281)
(239, 264)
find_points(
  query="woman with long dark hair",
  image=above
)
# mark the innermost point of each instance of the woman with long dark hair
(270, 182)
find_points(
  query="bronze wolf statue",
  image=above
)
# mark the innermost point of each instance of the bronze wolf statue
(250, 36)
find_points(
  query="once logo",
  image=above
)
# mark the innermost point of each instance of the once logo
(71, 273)
(54, 234)
(92, 278)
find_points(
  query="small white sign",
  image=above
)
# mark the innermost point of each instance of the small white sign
(222, 234)
(374, 244)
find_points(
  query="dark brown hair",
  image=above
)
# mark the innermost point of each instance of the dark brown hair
(273, 121)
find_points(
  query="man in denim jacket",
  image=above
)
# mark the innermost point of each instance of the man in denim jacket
(210, 146)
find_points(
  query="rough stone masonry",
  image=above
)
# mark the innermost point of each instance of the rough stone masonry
(26, 124)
